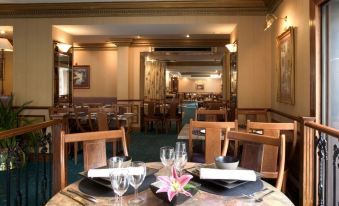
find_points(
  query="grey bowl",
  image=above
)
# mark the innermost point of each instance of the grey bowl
(226, 162)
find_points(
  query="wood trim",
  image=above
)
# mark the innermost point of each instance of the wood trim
(33, 107)
(173, 7)
(26, 129)
(195, 63)
(289, 116)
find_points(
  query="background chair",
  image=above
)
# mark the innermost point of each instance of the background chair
(211, 115)
(251, 161)
(94, 148)
(253, 114)
(153, 115)
(173, 115)
(213, 133)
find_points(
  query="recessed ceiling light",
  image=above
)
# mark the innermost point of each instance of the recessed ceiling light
(138, 37)
(2, 31)
(187, 36)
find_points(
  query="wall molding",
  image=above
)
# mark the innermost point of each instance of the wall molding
(106, 9)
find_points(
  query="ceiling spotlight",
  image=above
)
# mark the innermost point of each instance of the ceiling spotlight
(2, 32)
(138, 37)
(187, 36)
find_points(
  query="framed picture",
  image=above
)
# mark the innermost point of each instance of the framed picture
(199, 87)
(286, 84)
(81, 77)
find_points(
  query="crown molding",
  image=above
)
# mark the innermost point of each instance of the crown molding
(105, 9)
(174, 42)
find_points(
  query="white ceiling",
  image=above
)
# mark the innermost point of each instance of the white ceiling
(147, 29)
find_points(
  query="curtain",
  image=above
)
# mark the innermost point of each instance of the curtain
(155, 84)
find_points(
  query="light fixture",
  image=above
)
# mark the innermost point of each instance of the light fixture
(2, 32)
(270, 19)
(187, 36)
(233, 47)
(63, 47)
(5, 45)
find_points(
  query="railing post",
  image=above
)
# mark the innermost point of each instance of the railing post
(307, 163)
(56, 130)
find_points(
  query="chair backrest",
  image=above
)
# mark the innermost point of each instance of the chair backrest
(94, 148)
(79, 113)
(153, 108)
(213, 135)
(102, 121)
(173, 109)
(253, 114)
(263, 140)
(211, 115)
(276, 129)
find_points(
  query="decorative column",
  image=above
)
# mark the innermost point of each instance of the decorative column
(122, 68)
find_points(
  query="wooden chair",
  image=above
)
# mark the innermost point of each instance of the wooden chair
(253, 114)
(213, 134)
(251, 161)
(276, 129)
(94, 148)
(173, 115)
(211, 115)
(152, 116)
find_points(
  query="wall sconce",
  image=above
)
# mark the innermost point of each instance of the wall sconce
(270, 19)
(233, 47)
(63, 47)
(5, 45)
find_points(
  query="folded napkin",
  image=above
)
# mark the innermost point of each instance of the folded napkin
(106, 172)
(222, 174)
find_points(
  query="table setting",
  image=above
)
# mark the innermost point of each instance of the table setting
(174, 181)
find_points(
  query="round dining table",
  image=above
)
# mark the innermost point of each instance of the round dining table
(201, 198)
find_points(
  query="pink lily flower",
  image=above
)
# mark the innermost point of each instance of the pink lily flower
(174, 185)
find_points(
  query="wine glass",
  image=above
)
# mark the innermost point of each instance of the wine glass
(115, 162)
(180, 159)
(119, 181)
(136, 177)
(180, 147)
(167, 156)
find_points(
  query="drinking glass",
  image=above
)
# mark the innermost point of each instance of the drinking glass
(180, 147)
(119, 181)
(136, 177)
(167, 156)
(180, 159)
(115, 162)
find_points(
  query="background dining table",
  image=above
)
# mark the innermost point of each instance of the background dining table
(201, 198)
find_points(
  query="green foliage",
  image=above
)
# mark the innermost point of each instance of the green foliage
(9, 119)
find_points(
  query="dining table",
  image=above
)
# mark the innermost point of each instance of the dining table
(202, 197)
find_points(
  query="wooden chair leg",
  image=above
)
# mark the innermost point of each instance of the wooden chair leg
(75, 153)
(283, 187)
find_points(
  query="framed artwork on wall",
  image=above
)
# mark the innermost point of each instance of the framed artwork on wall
(199, 87)
(286, 79)
(81, 77)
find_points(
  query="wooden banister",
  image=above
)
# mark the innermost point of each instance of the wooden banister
(27, 129)
(324, 129)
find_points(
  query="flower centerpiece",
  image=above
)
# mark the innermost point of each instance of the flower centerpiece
(178, 188)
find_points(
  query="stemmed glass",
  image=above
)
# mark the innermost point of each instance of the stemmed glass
(180, 147)
(167, 156)
(115, 162)
(180, 159)
(119, 181)
(136, 177)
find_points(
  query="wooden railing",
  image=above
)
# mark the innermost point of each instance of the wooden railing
(320, 160)
(29, 162)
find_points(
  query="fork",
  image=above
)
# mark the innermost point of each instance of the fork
(260, 198)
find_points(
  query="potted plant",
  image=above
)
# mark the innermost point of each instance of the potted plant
(8, 120)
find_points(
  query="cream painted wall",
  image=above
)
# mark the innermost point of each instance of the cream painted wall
(103, 72)
(298, 16)
(61, 36)
(254, 67)
(210, 85)
(32, 61)
(33, 58)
